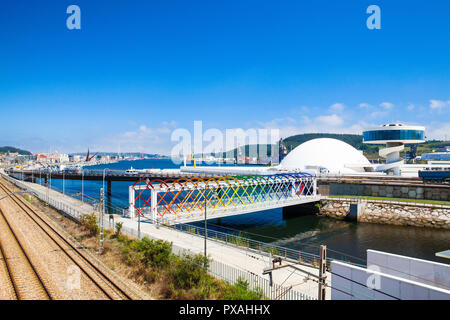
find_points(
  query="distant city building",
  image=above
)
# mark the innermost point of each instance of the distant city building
(440, 154)
(51, 158)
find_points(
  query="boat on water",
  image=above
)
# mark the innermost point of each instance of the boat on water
(132, 171)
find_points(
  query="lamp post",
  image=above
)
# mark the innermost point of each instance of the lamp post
(82, 185)
(100, 218)
(204, 195)
(205, 222)
(104, 172)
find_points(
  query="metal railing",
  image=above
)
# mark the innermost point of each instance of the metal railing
(43, 196)
(234, 275)
(217, 269)
(255, 246)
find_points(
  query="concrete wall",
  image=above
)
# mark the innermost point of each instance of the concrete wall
(350, 282)
(389, 212)
(423, 271)
(389, 191)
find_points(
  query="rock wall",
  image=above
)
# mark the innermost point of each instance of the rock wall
(389, 212)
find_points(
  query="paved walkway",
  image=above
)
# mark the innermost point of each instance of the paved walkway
(230, 255)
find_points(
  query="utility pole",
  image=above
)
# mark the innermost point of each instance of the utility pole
(82, 185)
(139, 225)
(100, 218)
(322, 270)
(48, 192)
(139, 219)
(204, 195)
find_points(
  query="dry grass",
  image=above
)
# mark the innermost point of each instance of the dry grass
(111, 256)
(155, 282)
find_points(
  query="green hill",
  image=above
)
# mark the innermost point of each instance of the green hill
(355, 140)
(7, 149)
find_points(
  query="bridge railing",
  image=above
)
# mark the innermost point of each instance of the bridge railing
(191, 196)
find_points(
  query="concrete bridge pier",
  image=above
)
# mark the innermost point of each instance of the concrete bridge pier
(108, 189)
(304, 209)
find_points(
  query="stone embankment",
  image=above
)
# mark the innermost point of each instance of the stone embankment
(387, 212)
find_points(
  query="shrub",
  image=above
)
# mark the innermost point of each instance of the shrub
(274, 251)
(188, 271)
(240, 240)
(241, 291)
(119, 226)
(89, 221)
(155, 253)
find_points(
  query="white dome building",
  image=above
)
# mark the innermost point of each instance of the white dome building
(328, 156)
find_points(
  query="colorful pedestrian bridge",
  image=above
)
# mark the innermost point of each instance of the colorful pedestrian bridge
(190, 199)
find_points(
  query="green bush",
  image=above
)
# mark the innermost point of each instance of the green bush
(155, 253)
(89, 221)
(274, 251)
(188, 271)
(119, 226)
(183, 277)
(241, 291)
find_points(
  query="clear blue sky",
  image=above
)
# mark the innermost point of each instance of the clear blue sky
(138, 69)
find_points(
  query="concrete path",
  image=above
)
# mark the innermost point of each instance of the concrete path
(227, 254)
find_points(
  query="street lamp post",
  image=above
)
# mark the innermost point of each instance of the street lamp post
(204, 195)
(104, 173)
(82, 185)
(100, 218)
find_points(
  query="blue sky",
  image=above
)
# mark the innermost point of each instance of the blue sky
(139, 69)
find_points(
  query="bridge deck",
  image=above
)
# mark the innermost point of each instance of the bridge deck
(199, 215)
(108, 176)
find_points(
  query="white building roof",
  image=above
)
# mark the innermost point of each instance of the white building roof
(334, 155)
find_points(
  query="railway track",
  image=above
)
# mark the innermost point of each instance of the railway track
(95, 273)
(22, 273)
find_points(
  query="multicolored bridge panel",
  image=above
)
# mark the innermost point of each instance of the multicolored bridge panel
(189, 196)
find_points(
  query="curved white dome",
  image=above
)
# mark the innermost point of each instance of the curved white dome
(334, 155)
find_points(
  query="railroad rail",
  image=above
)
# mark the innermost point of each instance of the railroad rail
(21, 271)
(96, 275)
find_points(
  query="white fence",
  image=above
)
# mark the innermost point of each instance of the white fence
(217, 269)
(59, 205)
(232, 275)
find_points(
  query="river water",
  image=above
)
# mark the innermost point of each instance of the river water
(304, 232)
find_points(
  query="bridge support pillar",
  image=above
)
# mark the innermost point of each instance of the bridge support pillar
(153, 200)
(131, 208)
(305, 209)
(108, 189)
